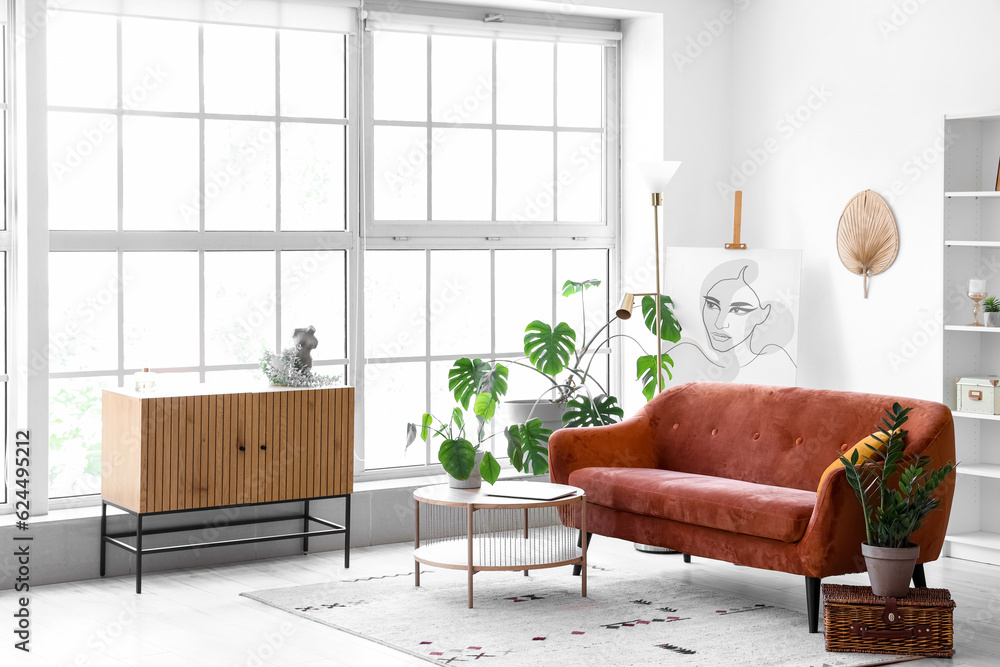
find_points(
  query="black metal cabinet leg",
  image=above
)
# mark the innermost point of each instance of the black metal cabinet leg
(812, 602)
(687, 558)
(579, 542)
(919, 580)
(138, 554)
(104, 531)
(347, 531)
(305, 526)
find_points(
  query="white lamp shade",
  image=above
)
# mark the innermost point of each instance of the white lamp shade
(656, 175)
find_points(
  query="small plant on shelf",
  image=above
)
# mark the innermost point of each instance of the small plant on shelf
(991, 305)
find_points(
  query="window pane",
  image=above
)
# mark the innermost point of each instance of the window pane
(395, 294)
(462, 188)
(3, 333)
(75, 435)
(523, 293)
(461, 307)
(524, 176)
(240, 167)
(161, 309)
(82, 59)
(462, 79)
(400, 173)
(524, 82)
(312, 74)
(83, 311)
(581, 85)
(312, 176)
(394, 397)
(580, 265)
(160, 173)
(581, 170)
(239, 306)
(400, 66)
(159, 65)
(239, 70)
(314, 293)
(83, 171)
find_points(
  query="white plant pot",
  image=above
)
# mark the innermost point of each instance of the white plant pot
(475, 479)
(550, 412)
(993, 319)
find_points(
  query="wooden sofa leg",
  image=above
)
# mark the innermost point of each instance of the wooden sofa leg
(919, 580)
(812, 603)
(687, 558)
(579, 542)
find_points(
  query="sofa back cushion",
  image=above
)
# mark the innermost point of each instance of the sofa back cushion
(781, 436)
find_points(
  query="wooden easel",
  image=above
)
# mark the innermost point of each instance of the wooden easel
(737, 219)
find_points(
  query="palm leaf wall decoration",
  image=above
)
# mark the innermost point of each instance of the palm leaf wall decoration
(867, 236)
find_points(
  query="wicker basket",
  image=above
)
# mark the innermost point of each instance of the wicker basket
(856, 621)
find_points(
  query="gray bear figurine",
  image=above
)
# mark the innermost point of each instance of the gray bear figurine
(306, 340)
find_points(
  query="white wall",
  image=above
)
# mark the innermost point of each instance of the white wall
(889, 70)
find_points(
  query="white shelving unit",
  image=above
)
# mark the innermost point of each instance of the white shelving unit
(972, 250)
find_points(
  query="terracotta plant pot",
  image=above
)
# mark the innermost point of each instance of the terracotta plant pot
(475, 479)
(890, 570)
(550, 412)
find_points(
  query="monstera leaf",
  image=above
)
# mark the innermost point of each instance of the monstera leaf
(603, 410)
(549, 349)
(489, 468)
(670, 328)
(425, 430)
(485, 406)
(470, 377)
(458, 457)
(646, 373)
(571, 287)
(527, 446)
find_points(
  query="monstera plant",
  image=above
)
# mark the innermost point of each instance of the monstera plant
(565, 359)
(479, 385)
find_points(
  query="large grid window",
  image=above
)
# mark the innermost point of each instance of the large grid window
(492, 171)
(200, 206)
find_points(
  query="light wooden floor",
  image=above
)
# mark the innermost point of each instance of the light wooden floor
(196, 616)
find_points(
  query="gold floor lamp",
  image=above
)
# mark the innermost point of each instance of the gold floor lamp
(657, 176)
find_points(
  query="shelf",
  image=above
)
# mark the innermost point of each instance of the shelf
(973, 244)
(979, 470)
(980, 547)
(956, 327)
(973, 415)
(985, 194)
(973, 116)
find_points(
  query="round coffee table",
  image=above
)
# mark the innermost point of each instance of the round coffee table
(466, 529)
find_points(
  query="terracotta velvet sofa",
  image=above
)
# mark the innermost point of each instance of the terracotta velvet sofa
(730, 472)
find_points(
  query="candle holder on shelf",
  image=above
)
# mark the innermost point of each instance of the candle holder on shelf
(977, 297)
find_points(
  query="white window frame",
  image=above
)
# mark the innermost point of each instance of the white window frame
(202, 240)
(429, 235)
(8, 391)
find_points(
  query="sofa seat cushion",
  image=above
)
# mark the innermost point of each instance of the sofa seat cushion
(772, 512)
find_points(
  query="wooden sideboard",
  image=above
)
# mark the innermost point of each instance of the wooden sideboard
(191, 449)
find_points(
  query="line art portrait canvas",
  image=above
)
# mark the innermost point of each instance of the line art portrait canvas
(738, 311)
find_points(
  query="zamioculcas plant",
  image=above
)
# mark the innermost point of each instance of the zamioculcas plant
(896, 491)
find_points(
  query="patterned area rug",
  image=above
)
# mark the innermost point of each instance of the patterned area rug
(627, 619)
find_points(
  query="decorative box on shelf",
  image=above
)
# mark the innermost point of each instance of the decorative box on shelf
(199, 448)
(978, 394)
(856, 621)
